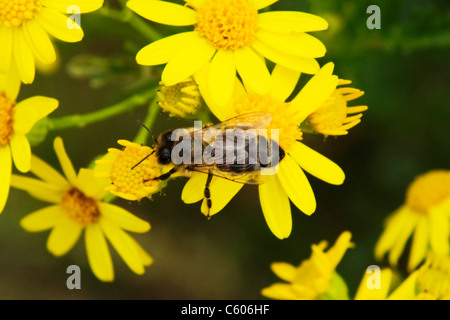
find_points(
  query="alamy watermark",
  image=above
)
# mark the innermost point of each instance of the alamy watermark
(74, 20)
(374, 20)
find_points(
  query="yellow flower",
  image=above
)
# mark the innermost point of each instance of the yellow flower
(180, 100)
(234, 37)
(130, 178)
(426, 213)
(290, 182)
(430, 282)
(332, 118)
(76, 206)
(25, 26)
(16, 120)
(314, 278)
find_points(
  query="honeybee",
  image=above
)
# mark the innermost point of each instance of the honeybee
(237, 149)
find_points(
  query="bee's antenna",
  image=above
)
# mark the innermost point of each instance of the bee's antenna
(145, 127)
(143, 160)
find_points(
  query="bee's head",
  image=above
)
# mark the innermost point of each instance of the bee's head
(164, 148)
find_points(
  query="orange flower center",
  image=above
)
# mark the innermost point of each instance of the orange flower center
(284, 117)
(80, 208)
(132, 181)
(6, 119)
(14, 12)
(428, 190)
(227, 24)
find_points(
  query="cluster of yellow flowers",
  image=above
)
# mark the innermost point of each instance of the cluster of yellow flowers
(237, 60)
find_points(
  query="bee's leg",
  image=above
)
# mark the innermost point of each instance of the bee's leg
(207, 193)
(164, 176)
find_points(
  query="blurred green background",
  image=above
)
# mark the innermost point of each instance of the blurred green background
(403, 68)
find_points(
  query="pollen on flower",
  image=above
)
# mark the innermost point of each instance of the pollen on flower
(428, 190)
(181, 99)
(79, 207)
(434, 277)
(334, 117)
(227, 24)
(6, 119)
(129, 180)
(14, 12)
(283, 116)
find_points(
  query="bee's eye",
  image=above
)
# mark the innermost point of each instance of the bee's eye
(165, 156)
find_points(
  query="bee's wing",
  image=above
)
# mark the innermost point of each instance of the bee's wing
(254, 177)
(246, 121)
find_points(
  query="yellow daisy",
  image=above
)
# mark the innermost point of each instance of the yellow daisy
(334, 117)
(180, 100)
(16, 120)
(430, 282)
(25, 26)
(290, 182)
(130, 171)
(234, 37)
(316, 277)
(426, 214)
(76, 206)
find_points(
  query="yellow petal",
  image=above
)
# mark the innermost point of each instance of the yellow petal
(297, 44)
(162, 51)
(63, 236)
(193, 190)
(281, 291)
(419, 244)
(291, 21)
(29, 111)
(23, 57)
(284, 271)
(123, 218)
(195, 3)
(296, 185)
(283, 82)
(42, 170)
(316, 164)
(21, 152)
(391, 232)
(407, 290)
(10, 84)
(221, 113)
(222, 77)
(90, 185)
(276, 207)
(39, 42)
(84, 6)
(408, 224)
(5, 173)
(40, 190)
(55, 23)
(253, 70)
(302, 64)
(98, 253)
(42, 219)
(188, 61)
(261, 4)
(222, 191)
(121, 242)
(64, 160)
(6, 39)
(315, 92)
(366, 293)
(164, 12)
(439, 232)
(147, 260)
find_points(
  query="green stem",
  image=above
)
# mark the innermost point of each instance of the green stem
(82, 120)
(149, 121)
